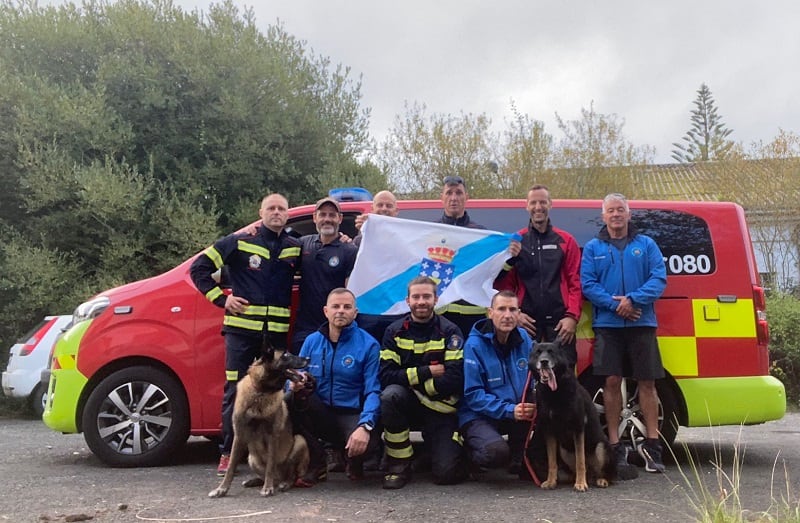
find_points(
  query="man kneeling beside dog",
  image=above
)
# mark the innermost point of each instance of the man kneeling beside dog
(342, 362)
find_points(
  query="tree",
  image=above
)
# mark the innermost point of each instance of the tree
(594, 157)
(421, 150)
(134, 133)
(707, 139)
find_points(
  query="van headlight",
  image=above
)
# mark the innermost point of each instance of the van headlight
(90, 309)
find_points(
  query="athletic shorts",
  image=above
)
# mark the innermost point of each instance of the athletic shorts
(631, 352)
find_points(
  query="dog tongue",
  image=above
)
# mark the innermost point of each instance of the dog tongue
(551, 378)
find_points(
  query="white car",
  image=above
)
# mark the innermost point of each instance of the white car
(29, 357)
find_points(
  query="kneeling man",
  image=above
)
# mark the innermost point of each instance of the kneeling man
(345, 407)
(495, 375)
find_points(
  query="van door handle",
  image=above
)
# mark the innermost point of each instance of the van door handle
(727, 298)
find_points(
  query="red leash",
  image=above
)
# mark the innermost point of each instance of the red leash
(528, 435)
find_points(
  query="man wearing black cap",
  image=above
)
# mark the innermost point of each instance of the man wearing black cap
(454, 201)
(327, 263)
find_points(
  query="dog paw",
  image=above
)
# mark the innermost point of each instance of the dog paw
(267, 491)
(602, 482)
(581, 487)
(283, 486)
(549, 484)
(218, 493)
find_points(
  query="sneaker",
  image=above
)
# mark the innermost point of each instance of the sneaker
(311, 478)
(394, 481)
(224, 462)
(335, 460)
(650, 451)
(625, 470)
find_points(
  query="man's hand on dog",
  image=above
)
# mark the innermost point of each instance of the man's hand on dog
(527, 323)
(304, 386)
(524, 411)
(357, 442)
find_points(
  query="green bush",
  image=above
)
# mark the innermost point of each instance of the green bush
(783, 313)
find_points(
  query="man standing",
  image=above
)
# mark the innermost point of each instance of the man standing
(623, 274)
(261, 268)
(421, 373)
(544, 273)
(345, 407)
(327, 263)
(495, 374)
(384, 203)
(454, 202)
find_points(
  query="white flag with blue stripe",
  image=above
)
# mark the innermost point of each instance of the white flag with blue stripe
(464, 262)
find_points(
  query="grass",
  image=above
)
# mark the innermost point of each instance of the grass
(720, 500)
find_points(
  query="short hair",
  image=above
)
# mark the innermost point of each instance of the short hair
(421, 280)
(504, 294)
(615, 196)
(538, 186)
(341, 290)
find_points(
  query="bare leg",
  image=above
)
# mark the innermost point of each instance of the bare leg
(648, 400)
(612, 402)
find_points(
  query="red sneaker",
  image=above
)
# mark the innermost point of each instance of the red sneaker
(224, 461)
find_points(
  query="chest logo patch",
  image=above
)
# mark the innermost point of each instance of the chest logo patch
(255, 262)
(348, 361)
(333, 261)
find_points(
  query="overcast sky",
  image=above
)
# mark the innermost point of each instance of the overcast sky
(640, 60)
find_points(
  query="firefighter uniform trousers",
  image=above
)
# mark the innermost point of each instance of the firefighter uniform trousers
(401, 410)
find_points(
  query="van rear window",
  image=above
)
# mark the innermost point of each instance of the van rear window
(683, 238)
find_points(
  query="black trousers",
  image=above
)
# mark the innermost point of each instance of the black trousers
(485, 446)
(400, 411)
(240, 352)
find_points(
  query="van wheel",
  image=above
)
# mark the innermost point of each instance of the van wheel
(38, 398)
(631, 428)
(136, 417)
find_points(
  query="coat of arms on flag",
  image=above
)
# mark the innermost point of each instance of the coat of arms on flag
(464, 262)
(438, 267)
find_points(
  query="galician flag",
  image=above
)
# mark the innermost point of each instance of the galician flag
(463, 262)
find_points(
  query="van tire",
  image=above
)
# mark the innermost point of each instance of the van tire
(632, 433)
(134, 439)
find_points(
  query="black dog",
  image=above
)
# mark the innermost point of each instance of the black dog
(568, 422)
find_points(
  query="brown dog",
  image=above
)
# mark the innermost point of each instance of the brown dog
(569, 422)
(262, 427)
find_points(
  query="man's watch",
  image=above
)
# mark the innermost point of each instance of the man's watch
(367, 426)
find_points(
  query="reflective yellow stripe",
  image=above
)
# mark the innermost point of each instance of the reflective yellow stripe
(453, 355)
(458, 308)
(506, 267)
(289, 252)
(679, 354)
(274, 326)
(421, 347)
(213, 294)
(214, 255)
(390, 355)
(282, 312)
(713, 319)
(253, 325)
(252, 248)
(457, 438)
(232, 375)
(412, 375)
(404, 453)
(438, 406)
(430, 388)
(256, 310)
(396, 437)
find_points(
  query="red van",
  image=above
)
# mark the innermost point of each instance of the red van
(142, 366)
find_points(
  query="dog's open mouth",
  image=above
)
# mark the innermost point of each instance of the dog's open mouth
(548, 377)
(294, 375)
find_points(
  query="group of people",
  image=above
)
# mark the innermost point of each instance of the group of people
(458, 374)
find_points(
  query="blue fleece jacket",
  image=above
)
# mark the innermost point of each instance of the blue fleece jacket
(638, 272)
(494, 380)
(347, 374)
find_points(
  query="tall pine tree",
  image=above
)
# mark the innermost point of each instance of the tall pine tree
(707, 139)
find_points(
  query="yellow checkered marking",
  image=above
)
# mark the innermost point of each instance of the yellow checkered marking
(713, 319)
(679, 354)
